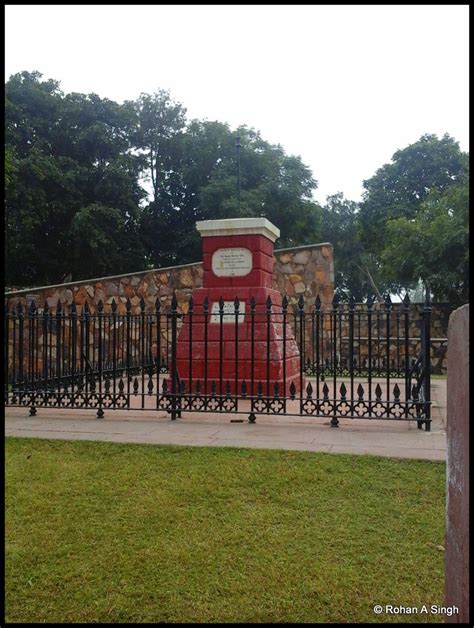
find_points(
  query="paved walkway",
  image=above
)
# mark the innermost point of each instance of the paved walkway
(383, 438)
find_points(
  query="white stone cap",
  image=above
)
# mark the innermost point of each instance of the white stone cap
(238, 226)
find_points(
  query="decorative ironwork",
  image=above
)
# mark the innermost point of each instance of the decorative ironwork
(356, 361)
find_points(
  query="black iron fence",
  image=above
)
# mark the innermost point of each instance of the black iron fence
(252, 358)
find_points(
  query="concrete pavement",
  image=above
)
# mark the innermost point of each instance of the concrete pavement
(383, 438)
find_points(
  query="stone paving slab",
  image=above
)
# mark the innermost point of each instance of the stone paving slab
(382, 438)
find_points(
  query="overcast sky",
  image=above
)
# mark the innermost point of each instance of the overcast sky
(344, 87)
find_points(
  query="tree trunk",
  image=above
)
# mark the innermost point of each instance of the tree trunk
(365, 270)
(153, 177)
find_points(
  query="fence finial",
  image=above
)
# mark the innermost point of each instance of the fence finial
(174, 301)
(427, 298)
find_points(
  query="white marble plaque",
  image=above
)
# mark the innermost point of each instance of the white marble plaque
(229, 312)
(235, 262)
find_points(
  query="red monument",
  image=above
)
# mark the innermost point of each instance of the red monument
(225, 338)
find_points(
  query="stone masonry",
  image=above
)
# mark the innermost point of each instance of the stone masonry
(305, 270)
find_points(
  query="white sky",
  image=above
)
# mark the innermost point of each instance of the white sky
(344, 87)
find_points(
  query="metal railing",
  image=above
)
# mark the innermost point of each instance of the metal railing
(261, 358)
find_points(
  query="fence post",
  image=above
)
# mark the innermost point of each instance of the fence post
(426, 348)
(302, 352)
(100, 308)
(173, 371)
(335, 314)
(32, 355)
(6, 347)
(20, 350)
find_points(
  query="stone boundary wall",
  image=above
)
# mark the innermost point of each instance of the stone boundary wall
(305, 270)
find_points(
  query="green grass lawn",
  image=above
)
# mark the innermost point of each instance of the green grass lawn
(111, 533)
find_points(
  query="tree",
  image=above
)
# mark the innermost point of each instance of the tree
(398, 190)
(160, 121)
(340, 227)
(31, 109)
(103, 238)
(10, 166)
(70, 152)
(434, 245)
(273, 185)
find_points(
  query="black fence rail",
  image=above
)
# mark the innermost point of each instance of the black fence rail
(256, 358)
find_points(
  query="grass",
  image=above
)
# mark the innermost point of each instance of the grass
(112, 533)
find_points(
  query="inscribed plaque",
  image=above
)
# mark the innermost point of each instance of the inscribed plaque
(235, 262)
(229, 312)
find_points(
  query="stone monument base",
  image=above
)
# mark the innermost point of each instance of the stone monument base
(229, 354)
(256, 354)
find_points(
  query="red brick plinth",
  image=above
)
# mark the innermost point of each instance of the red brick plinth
(228, 357)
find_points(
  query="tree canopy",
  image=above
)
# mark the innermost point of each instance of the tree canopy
(406, 208)
(76, 171)
(93, 187)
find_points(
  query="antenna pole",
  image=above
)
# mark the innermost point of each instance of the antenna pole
(238, 145)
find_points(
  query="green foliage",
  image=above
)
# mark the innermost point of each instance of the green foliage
(76, 207)
(204, 187)
(397, 232)
(71, 152)
(159, 122)
(10, 166)
(434, 245)
(340, 227)
(103, 238)
(79, 161)
(398, 189)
